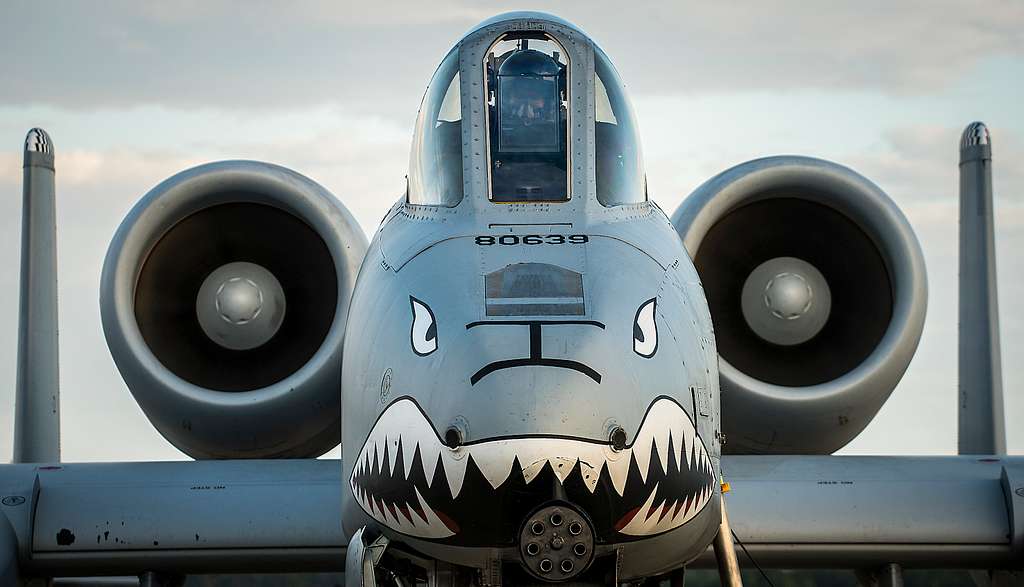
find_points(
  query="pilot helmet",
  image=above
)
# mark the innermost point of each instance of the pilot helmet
(528, 87)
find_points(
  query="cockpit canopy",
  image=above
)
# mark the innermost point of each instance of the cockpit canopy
(527, 118)
(534, 141)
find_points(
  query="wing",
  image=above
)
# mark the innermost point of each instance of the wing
(860, 512)
(284, 515)
(185, 517)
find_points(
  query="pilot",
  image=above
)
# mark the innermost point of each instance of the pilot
(530, 106)
(528, 128)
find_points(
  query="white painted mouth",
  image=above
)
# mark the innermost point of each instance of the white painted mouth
(403, 424)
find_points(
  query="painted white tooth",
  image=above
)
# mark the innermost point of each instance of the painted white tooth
(393, 454)
(642, 450)
(685, 438)
(494, 459)
(389, 520)
(562, 466)
(677, 520)
(415, 521)
(435, 527)
(405, 420)
(662, 446)
(677, 439)
(430, 450)
(386, 449)
(533, 454)
(689, 434)
(356, 494)
(640, 524)
(531, 470)
(403, 523)
(408, 452)
(670, 513)
(454, 469)
(666, 521)
(618, 470)
(590, 473)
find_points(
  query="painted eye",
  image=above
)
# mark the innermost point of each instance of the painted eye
(645, 329)
(424, 328)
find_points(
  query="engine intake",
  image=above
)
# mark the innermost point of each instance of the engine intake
(817, 290)
(224, 298)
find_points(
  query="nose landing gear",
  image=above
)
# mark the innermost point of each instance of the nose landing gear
(556, 543)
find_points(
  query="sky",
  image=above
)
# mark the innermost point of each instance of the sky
(132, 93)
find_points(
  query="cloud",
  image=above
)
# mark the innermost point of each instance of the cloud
(133, 93)
(919, 163)
(363, 166)
(368, 55)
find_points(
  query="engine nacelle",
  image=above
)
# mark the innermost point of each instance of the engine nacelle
(224, 298)
(817, 290)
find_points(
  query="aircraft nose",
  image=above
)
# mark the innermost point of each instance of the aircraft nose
(524, 377)
(536, 356)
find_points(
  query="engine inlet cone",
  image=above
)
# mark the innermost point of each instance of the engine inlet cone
(556, 543)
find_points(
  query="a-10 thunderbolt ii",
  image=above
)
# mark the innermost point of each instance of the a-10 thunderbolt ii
(540, 372)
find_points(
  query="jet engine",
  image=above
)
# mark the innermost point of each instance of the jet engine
(224, 298)
(817, 291)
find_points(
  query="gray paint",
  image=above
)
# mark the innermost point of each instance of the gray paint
(789, 511)
(632, 255)
(849, 512)
(980, 417)
(298, 514)
(37, 392)
(209, 423)
(762, 417)
(205, 516)
(9, 567)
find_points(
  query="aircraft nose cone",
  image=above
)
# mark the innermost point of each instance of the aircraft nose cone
(240, 306)
(786, 301)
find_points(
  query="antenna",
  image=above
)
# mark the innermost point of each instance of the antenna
(982, 425)
(37, 395)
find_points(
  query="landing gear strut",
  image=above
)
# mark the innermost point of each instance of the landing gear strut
(361, 559)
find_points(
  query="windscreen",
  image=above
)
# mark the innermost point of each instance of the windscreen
(435, 163)
(527, 119)
(619, 165)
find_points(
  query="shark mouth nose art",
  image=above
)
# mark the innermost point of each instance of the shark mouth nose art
(407, 479)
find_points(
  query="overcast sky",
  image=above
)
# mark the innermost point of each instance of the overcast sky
(133, 93)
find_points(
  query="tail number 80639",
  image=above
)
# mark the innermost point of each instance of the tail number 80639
(532, 239)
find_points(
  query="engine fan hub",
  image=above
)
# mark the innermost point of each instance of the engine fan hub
(786, 301)
(240, 306)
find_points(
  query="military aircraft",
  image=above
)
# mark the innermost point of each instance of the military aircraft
(533, 371)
